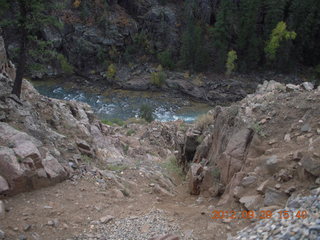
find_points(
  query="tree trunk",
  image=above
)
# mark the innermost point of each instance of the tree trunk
(23, 51)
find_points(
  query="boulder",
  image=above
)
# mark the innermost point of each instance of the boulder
(27, 149)
(10, 168)
(311, 164)
(195, 176)
(53, 168)
(275, 197)
(251, 202)
(308, 86)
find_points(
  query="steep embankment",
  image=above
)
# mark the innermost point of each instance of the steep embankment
(260, 154)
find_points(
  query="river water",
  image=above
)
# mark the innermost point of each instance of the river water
(122, 104)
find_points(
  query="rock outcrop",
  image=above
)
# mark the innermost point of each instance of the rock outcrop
(259, 151)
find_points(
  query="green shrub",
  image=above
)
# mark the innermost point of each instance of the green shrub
(172, 166)
(112, 122)
(112, 70)
(158, 78)
(165, 58)
(230, 64)
(130, 132)
(203, 121)
(146, 113)
(64, 64)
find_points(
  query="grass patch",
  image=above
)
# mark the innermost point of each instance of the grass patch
(86, 159)
(173, 167)
(203, 121)
(117, 167)
(113, 122)
(125, 149)
(257, 128)
(130, 132)
(135, 121)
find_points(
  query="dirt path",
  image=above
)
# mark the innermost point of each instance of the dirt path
(80, 208)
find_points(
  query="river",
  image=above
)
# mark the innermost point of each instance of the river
(123, 104)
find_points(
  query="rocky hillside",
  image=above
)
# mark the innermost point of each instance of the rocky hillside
(257, 152)
(43, 140)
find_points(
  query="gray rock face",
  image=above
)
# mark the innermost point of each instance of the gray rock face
(195, 177)
(161, 24)
(3, 185)
(3, 54)
(251, 202)
(308, 86)
(275, 197)
(311, 164)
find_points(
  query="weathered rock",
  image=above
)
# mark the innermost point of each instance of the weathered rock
(160, 190)
(272, 164)
(3, 185)
(275, 197)
(311, 164)
(10, 168)
(195, 177)
(53, 168)
(247, 181)
(2, 210)
(262, 187)
(308, 86)
(251, 202)
(106, 219)
(291, 87)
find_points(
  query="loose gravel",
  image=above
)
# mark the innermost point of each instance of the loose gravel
(293, 228)
(153, 224)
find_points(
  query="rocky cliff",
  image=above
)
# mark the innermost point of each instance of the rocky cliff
(43, 141)
(258, 152)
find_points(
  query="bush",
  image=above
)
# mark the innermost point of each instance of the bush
(165, 59)
(279, 34)
(64, 64)
(146, 113)
(172, 166)
(158, 78)
(112, 122)
(230, 64)
(203, 121)
(112, 70)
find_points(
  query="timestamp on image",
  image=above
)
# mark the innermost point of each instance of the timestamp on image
(260, 214)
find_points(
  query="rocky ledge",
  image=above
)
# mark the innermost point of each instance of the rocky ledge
(258, 152)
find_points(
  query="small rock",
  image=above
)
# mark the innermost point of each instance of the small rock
(275, 197)
(272, 141)
(278, 186)
(318, 131)
(261, 189)
(106, 219)
(287, 137)
(290, 190)
(27, 227)
(318, 181)
(22, 237)
(251, 202)
(272, 164)
(2, 210)
(306, 128)
(308, 86)
(247, 181)
(2, 235)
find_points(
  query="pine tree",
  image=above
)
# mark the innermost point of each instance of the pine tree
(29, 18)
(249, 41)
(223, 33)
(193, 54)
